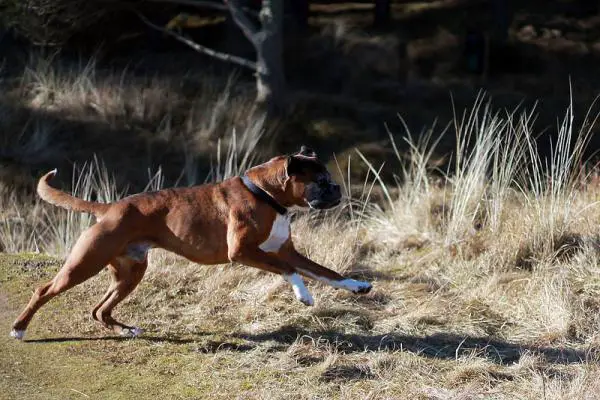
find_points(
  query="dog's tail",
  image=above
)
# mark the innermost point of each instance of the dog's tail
(65, 200)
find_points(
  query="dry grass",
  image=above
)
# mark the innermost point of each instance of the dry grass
(55, 114)
(486, 285)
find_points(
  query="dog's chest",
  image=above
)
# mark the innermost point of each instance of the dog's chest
(280, 233)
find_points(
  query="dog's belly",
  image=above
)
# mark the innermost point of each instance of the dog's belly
(138, 253)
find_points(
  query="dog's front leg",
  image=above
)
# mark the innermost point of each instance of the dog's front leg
(253, 256)
(315, 271)
(300, 290)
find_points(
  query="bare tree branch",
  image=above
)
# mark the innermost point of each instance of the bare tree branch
(202, 49)
(246, 25)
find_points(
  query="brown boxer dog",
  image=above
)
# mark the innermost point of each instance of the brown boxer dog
(242, 219)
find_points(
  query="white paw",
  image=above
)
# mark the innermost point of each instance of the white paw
(17, 334)
(306, 299)
(354, 286)
(301, 292)
(131, 332)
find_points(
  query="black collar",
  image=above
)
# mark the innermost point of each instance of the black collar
(261, 194)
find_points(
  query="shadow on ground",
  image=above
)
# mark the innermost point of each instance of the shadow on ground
(210, 346)
(441, 345)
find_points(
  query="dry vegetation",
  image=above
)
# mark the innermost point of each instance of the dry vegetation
(486, 278)
(56, 115)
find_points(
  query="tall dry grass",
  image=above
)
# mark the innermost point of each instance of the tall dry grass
(496, 169)
(486, 275)
(56, 114)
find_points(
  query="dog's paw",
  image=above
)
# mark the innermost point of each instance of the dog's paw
(307, 299)
(364, 288)
(132, 332)
(301, 292)
(17, 334)
(357, 287)
(303, 295)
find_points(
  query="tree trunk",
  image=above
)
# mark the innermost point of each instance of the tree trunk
(299, 10)
(270, 80)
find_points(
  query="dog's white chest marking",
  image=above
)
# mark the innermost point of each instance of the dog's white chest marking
(280, 233)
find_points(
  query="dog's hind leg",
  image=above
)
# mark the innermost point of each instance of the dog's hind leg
(126, 275)
(92, 252)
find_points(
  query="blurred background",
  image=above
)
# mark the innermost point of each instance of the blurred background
(118, 80)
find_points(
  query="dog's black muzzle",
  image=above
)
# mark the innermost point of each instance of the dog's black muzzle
(327, 196)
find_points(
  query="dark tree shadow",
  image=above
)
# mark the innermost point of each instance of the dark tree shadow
(128, 146)
(441, 345)
(445, 346)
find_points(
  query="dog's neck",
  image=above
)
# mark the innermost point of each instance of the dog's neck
(271, 180)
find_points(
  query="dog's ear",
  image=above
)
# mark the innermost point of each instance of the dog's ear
(293, 166)
(307, 152)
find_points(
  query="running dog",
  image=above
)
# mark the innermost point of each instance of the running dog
(242, 219)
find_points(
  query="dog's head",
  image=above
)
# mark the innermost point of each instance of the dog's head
(309, 182)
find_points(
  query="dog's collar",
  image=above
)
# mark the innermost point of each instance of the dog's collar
(261, 194)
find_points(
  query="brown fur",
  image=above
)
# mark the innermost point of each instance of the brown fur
(208, 224)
